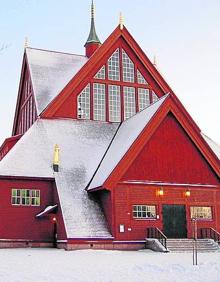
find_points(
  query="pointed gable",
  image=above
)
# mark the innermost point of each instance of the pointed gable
(26, 111)
(118, 62)
(188, 138)
(171, 156)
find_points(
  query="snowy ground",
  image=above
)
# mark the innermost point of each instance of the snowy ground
(58, 265)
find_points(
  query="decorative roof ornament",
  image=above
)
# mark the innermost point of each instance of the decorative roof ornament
(121, 21)
(155, 61)
(25, 42)
(56, 158)
(93, 37)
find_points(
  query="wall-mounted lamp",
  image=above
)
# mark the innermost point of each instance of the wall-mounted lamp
(187, 193)
(160, 192)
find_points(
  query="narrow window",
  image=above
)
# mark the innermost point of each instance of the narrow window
(143, 98)
(101, 73)
(144, 211)
(154, 97)
(201, 212)
(114, 66)
(84, 103)
(140, 78)
(129, 101)
(114, 103)
(128, 68)
(99, 102)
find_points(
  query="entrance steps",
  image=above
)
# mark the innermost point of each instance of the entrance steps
(186, 245)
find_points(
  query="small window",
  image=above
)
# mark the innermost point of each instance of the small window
(84, 103)
(129, 102)
(99, 101)
(201, 212)
(143, 98)
(154, 97)
(101, 73)
(143, 211)
(140, 78)
(114, 103)
(114, 66)
(25, 197)
(128, 68)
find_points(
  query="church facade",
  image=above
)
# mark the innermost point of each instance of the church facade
(102, 151)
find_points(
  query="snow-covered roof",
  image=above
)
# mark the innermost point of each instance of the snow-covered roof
(125, 137)
(213, 145)
(33, 154)
(50, 72)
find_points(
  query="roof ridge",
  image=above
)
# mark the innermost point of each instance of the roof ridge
(54, 51)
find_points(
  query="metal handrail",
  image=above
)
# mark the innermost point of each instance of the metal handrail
(210, 233)
(154, 232)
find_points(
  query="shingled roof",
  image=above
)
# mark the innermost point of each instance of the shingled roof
(50, 72)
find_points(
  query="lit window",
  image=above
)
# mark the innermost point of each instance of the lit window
(201, 212)
(84, 103)
(140, 78)
(154, 97)
(99, 101)
(128, 68)
(129, 102)
(101, 73)
(143, 211)
(143, 98)
(114, 103)
(113, 66)
(25, 197)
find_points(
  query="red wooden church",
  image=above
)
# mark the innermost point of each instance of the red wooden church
(102, 150)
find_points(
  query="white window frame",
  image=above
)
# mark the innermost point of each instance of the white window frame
(83, 103)
(127, 68)
(198, 212)
(99, 102)
(129, 102)
(144, 211)
(114, 66)
(25, 197)
(143, 98)
(114, 103)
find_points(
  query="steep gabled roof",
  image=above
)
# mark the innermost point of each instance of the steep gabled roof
(127, 133)
(213, 145)
(127, 143)
(50, 72)
(82, 146)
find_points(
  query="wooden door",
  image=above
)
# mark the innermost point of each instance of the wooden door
(174, 221)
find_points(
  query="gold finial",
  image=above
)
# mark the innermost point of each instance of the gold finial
(56, 158)
(25, 42)
(155, 61)
(92, 10)
(121, 21)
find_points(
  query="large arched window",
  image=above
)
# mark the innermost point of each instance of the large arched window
(117, 91)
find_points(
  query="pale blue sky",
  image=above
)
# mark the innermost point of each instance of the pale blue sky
(184, 35)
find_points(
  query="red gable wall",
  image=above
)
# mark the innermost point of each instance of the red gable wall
(171, 156)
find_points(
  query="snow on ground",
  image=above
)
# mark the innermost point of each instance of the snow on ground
(40, 265)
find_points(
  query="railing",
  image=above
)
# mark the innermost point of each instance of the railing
(154, 232)
(210, 233)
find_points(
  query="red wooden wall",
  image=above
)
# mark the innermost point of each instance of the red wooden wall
(171, 156)
(19, 222)
(128, 195)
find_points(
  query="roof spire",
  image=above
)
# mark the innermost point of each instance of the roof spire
(121, 21)
(93, 37)
(25, 42)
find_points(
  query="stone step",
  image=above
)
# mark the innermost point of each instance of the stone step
(186, 245)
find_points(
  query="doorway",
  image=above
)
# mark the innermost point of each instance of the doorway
(174, 221)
